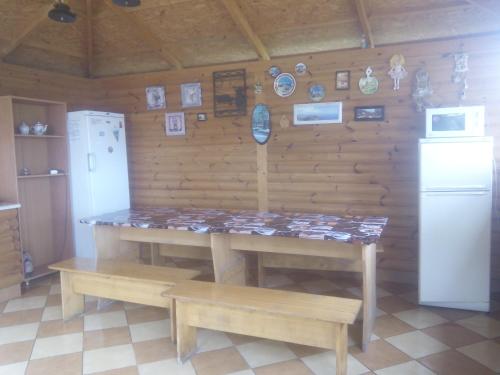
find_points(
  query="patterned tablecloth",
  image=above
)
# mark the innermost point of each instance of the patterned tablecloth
(349, 229)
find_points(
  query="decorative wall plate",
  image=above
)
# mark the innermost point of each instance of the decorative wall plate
(261, 124)
(369, 84)
(284, 85)
(274, 71)
(301, 69)
(317, 92)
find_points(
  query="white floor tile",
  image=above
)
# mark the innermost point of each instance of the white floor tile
(485, 352)
(150, 330)
(326, 362)
(18, 368)
(169, 366)
(18, 333)
(265, 352)
(52, 313)
(57, 345)
(109, 358)
(55, 289)
(111, 319)
(27, 303)
(420, 318)
(242, 372)
(319, 286)
(131, 306)
(208, 340)
(417, 344)
(483, 325)
(408, 368)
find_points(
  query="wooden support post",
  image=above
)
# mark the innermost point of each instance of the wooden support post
(261, 271)
(155, 254)
(72, 303)
(173, 321)
(230, 265)
(369, 292)
(341, 349)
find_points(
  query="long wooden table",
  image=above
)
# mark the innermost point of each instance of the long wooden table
(351, 240)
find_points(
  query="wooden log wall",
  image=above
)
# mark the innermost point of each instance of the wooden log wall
(10, 249)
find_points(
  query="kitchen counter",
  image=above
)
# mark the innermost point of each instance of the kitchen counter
(8, 206)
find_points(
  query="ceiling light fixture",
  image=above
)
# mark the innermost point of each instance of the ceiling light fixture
(62, 13)
(127, 3)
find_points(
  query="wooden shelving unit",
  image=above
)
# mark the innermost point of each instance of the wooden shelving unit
(45, 220)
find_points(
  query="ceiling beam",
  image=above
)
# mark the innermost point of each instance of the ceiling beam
(363, 21)
(144, 33)
(495, 11)
(89, 39)
(31, 25)
(241, 21)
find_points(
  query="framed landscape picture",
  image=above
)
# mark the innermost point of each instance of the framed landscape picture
(317, 113)
(369, 113)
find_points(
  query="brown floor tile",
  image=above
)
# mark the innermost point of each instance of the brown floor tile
(387, 326)
(394, 304)
(36, 290)
(53, 300)
(154, 350)
(219, 362)
(341, 293)
(300, 276)
(60, 327)
(380, 354)
(70, 364)
(20, 317)
(2, 306)
(146, 314)
(105, 337)
(451, 314)
(304, 351)
(397, 288)
(16, 352)
(294, 367)
(453, 335)
(454, 363)
(241, 339)
(120, 371)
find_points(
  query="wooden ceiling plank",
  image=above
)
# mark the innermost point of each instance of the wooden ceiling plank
(143, 32)
(489, 8)
(89, 39)
(364, 22)
(241, 21)
(31, 25)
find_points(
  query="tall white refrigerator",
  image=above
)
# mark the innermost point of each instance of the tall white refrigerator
(455, 222)
(99, 171)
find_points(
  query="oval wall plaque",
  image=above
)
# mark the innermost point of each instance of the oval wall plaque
(261, 124)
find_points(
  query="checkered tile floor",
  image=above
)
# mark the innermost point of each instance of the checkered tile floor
(122, 338)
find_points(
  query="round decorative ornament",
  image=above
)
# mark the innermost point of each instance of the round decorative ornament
(284, 85)
(317, 92)
(301, 69)
(369, 84)
(274, 71)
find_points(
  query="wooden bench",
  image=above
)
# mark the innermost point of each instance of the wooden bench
(123, 281)
(299, 318)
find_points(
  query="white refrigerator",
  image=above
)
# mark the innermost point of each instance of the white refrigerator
(455, 222)
(99, 171)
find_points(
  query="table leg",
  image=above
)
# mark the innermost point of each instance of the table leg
(72, 304)
(230, 266)
(109, 246)
(341, 342)
(369, 292)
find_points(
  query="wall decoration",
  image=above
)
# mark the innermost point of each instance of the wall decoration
(155, 98)
(191, 95)
(284, 122)
(422, 90)
(317, 113)
(258, 88)
(369, 113)
(230, 93)
(459, 75)
(369, 84)
(174, 123)
(284, 85)
(261, 124)
(317, 92)
(301, 69)
(202, 116)
(343, 80)
(274, 71)
(397, 71)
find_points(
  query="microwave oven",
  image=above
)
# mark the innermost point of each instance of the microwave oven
(454, 122)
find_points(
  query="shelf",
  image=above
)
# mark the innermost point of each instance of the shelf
(39, 271)
(41, 176)
(47, 136)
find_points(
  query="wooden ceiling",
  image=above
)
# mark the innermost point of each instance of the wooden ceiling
(174, 34)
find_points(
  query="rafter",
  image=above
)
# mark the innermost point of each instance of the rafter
(144, 33)
(489, 8)
(31, 25)
(245, 28)
(363, 20)
(89, 39)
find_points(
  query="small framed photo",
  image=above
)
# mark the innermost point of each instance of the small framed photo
(343, 80)
(369, 113)
(155, 98)
(191, 95)
(174, 124)
(202, 116)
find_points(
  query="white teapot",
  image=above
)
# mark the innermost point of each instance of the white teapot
(23, 128)
(39, 128)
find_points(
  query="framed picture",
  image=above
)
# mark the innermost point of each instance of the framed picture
(191, 95)
(343, 80)
(317, 113)
(230, 93)
(369, 113)
(155, 98)
(202, 116)
(174, 124)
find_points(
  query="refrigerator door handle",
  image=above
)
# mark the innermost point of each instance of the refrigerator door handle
(91, 161)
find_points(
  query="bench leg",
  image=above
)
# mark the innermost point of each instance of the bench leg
(341, 349)
(155, 254)
(261, 271)
(369, 293)
(173, 321)
(72, 304)
(186, 341)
